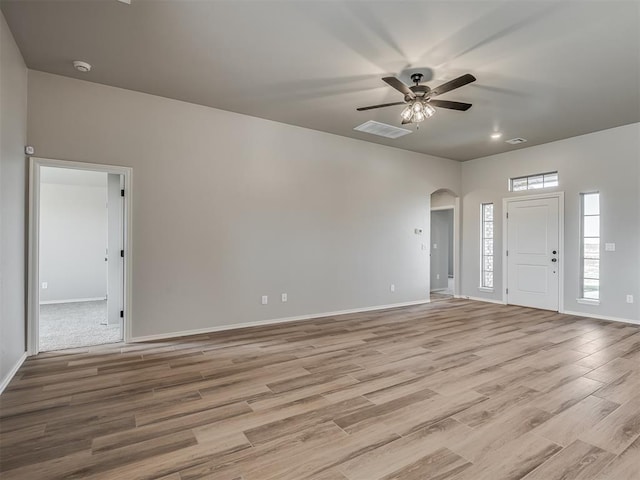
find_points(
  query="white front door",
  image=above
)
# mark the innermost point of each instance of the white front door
(533, 256)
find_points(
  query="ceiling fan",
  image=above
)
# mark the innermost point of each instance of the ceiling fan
(420, 97)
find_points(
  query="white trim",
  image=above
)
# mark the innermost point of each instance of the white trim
(602, 317)
(482, 288)
(434, 209)
(456, 239)
(33, 290)
(457, 247)
(275, 321)
(72, 300)
(480, 299)
(561, 246)
(12, 372)
(588, 301)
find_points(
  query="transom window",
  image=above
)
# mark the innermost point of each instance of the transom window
(533, 182)
(486, 279)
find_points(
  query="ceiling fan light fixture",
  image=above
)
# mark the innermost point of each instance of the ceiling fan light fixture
(429, 110)
(417, 97)
(407, 113)
(418, 111)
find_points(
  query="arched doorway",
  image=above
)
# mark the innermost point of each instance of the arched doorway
(444, 245)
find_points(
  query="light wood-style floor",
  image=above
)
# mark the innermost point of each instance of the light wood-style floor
(451, 390)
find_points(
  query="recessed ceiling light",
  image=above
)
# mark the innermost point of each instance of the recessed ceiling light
(128, 2)
(496, 135)
(81, 66)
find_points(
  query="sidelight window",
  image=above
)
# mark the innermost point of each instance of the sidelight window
(486, 267)
(590, 246)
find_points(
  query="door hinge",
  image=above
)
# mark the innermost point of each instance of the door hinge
(121, 313)
(507, 253)
(122, 253)
(122, 192)
(507, 291)
(507, 215)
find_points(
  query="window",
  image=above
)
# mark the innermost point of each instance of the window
(533, 182)
(590, 248)
(486, 268)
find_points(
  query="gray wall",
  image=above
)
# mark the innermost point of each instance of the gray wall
(607, 161)
(227, 208)
(13, 179)
(73, 241)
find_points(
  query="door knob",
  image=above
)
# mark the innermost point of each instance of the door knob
(554, 252)
(554, 260)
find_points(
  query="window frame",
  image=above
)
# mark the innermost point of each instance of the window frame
(483, 255)
(534, 175)
(582, 298)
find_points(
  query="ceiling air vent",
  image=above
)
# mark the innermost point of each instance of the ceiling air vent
(515, 141)
(382, 129)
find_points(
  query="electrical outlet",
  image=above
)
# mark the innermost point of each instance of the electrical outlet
(265, 300)
(284, 297)
(437, 276)
(45, 285)
(629, 298)
(392, 287)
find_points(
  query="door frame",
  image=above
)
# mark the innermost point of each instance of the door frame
(456, 243)
(33, 282)
(453, 242)
(505, 242)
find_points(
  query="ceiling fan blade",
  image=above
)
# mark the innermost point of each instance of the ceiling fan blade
(451, 105)
(398, 85)
(361, 109)
(453, 84)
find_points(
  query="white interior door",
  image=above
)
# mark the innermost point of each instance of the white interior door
(533, 256)
(115, 282)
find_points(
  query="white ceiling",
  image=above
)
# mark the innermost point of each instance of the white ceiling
(545, 70)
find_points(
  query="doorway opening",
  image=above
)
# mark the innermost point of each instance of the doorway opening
(443, 245)
(77, 263)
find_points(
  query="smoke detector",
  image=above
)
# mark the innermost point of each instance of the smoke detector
(81, 66)
(515, 141)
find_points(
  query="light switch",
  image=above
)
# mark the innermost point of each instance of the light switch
(609, 247)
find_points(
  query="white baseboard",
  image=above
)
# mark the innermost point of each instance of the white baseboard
(12, 372)
(601, 317)
(220, 328)
(73, 300)
(566, 312)
(480, 299)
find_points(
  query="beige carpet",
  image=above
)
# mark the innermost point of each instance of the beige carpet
(80, 324)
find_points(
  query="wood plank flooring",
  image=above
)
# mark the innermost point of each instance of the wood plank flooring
(453, 390)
